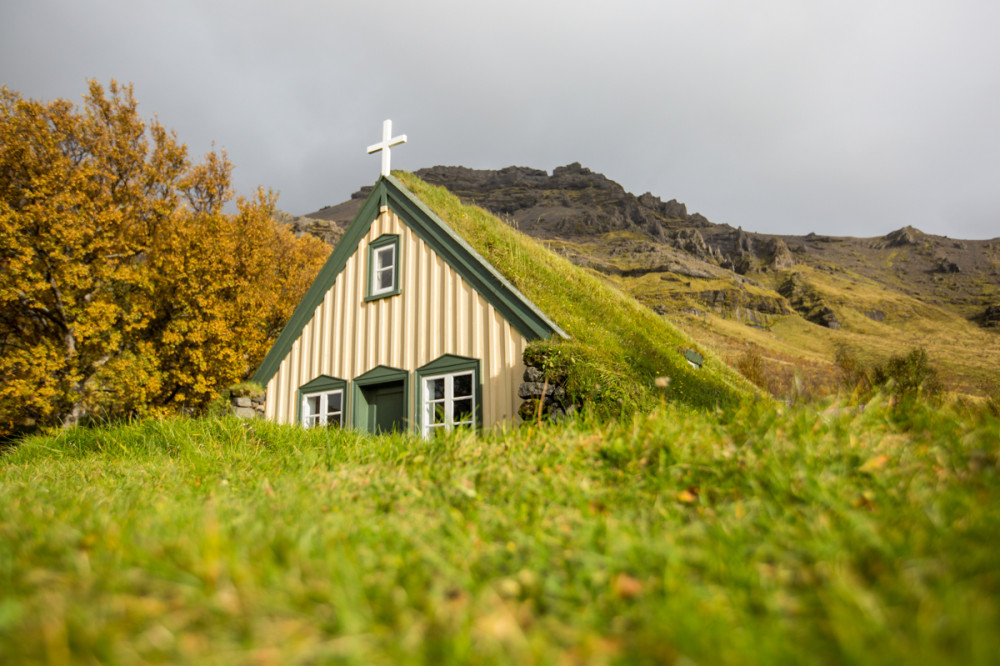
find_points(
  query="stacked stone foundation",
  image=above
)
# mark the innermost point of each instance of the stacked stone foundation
(246, 407)
(544, 398)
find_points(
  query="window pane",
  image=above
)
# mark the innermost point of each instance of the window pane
(463, 386)
(383, 280)
(333, 420)
(384, 257)
(463, 410)
(435, 389)
(312, 405)
(438, 413)
(333, 401)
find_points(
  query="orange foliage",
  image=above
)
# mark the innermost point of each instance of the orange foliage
(124, 286)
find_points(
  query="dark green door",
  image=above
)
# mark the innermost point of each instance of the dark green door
(386, 407)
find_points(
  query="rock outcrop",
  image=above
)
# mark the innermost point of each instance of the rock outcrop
(692, 242)
(326, 230)
(990, 317)
(573, 201)
(777, 255)
(945, 265)
(902, 237)
(744, 306)
(805, 300)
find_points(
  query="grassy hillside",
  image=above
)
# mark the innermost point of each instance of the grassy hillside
(966, 355)
(877, 319)
(618, 347)
(777, 536)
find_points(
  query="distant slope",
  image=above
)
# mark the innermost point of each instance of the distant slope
(793, 299)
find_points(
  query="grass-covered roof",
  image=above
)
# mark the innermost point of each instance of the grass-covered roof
(618, 347)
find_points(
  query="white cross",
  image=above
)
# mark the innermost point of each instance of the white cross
(387, 142)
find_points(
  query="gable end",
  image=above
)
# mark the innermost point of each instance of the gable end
(523, 315)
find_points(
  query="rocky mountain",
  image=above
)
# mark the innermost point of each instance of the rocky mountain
(576, 203)
(328, 231)
(794, 299)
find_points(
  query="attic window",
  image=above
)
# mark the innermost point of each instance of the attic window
(383, 267)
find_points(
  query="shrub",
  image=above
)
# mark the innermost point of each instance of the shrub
(910, 375)
(906, 375)
(991, 388)
(750, 364)
(855, 376)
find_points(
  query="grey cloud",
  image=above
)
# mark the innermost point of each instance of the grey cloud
(848, 117)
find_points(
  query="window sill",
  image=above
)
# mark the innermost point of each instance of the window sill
(387, 294)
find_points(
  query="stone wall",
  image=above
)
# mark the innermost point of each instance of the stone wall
(247, 407)
(535, 389)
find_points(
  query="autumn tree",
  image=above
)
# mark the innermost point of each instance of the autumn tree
(125, 287)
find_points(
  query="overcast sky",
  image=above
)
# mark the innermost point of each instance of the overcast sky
(845, 117)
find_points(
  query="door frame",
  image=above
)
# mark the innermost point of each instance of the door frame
(374, 378)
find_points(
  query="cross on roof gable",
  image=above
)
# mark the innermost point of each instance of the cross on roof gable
(387, 142)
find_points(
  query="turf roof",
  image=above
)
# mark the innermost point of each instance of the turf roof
(617, 347)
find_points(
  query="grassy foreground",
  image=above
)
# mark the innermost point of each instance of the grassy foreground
(765, 536)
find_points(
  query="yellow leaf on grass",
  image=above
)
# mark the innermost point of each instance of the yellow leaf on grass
(626, 587)
(688, 495)
(874, 464)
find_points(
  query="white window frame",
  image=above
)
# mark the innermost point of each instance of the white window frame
(378, 252)
(321, 418)
(448, 402)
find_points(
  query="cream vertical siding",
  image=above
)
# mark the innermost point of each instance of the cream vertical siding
(436, 313)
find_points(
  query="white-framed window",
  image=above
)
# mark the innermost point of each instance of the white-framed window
(449, 401)
(384, 269)
(324, 409)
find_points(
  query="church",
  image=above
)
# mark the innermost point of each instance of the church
(405, 329)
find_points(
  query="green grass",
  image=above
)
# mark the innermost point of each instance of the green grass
(762, 536)
(618, 346)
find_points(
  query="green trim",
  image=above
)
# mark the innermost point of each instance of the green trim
(381, 374)
(323, 384)
(380, 242)
(447, 365)
(306, 308)
(514, 306)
